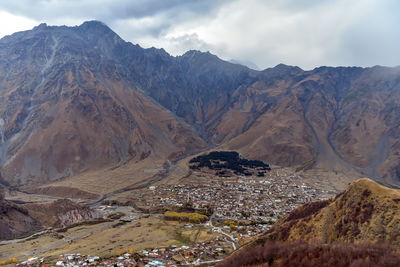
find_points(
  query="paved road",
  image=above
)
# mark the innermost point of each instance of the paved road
(5, 242)
(231, 237)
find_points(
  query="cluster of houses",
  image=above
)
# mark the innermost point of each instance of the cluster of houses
(199, 252)
(189, 255)
(241, 207)
(73, 260)
(259, 201)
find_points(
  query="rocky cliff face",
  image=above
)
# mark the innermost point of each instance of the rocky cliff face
(15, 220)
(60, 213)
(74, 99)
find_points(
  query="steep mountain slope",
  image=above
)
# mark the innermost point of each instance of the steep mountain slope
(65, 107)
(75, 99)
(195, 86)
(340, 119)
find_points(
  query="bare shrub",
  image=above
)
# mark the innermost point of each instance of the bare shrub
(282, 254)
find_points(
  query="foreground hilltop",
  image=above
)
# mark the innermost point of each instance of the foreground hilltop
(365, 212)
(81, 99)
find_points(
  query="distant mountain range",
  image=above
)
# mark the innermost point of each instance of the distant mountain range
(74, 99)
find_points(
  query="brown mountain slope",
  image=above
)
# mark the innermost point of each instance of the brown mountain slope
(65, 109)
(77, 99)
(340, 119)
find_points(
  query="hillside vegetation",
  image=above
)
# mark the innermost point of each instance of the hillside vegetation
(359, 227)
(192, 217)
(366, 211)
(228, 160)
(299, 254)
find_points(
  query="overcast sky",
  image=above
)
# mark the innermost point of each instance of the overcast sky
(306, 33)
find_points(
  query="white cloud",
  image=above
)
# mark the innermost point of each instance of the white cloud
(11, 23)
(268, 33)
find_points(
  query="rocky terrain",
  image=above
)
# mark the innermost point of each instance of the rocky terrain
(80, 99)
(66, 108)
(15, 220)
(60, 213)
(21, 219)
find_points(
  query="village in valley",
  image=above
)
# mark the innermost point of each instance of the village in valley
(244, 205)
(221, 205)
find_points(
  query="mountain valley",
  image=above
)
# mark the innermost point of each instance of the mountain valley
(102, 140)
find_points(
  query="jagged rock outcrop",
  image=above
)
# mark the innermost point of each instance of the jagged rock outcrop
(17, 220)
(60, 213)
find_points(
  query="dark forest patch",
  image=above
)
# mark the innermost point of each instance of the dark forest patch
(225, 161)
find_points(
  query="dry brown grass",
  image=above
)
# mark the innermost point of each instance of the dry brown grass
(300, 254)
(366, 211)
(103, 239)
(109, 180)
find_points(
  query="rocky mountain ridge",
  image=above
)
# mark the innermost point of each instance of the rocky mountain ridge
(75, 99)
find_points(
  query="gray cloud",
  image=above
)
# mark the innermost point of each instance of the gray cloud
(105, 10)
(307, 33)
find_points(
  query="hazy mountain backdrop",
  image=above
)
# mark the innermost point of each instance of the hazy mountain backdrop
(74, 99)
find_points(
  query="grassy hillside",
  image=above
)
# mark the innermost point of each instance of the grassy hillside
(359, 227)
(366, 211)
